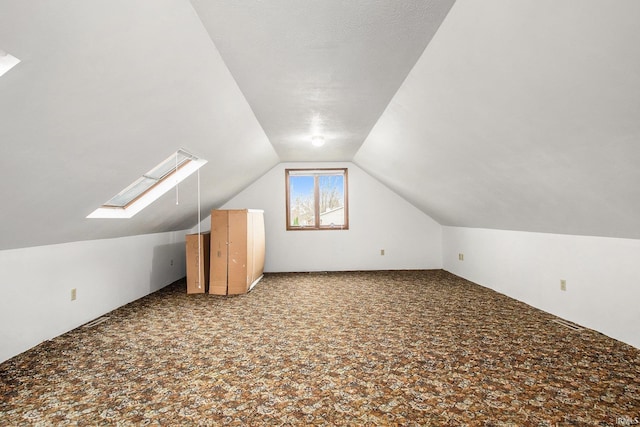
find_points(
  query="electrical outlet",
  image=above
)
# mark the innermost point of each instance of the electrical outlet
(563, 285)
(73, 294)
(460, 257)
(381, 251)
(171, 262)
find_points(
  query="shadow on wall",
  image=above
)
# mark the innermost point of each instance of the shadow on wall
(167, 266)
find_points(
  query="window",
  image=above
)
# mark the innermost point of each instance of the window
(150, 186)
(317, 199)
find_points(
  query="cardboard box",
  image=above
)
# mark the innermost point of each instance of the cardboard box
(219, 249)
(197, 252)
(237, 250)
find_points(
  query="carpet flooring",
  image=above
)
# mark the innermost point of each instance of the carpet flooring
(359, 348)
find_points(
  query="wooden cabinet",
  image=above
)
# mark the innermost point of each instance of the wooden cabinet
(237, 250)
(197, 262)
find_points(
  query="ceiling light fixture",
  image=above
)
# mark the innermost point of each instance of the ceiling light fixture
(317, 140)
(7, 62)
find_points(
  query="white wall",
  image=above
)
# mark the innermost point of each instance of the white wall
(36, 283)
(602, 274)
(378, 219)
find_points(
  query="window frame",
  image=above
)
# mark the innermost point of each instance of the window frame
(157, 181)
(170, 178)
(344, 172)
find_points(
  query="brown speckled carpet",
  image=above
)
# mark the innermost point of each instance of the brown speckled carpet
(364, 348)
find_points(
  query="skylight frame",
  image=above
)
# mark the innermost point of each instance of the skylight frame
(150, 178)
(172, 174)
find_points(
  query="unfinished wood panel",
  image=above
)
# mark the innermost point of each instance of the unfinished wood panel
(258, 246)
(237, 250)
(237, 281)
(249, 250)
(197, 252)
(219, 252)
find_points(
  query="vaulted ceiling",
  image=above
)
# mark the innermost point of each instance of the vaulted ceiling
(521, 115)
(320, 67)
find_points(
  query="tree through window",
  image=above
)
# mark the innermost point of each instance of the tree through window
(317, 199)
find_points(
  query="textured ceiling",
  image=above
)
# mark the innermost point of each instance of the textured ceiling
(105, 91)
(320, 67)
(521, 115)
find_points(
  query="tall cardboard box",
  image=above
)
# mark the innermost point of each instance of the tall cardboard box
(219, 252)
(198, 259)
(237, 250)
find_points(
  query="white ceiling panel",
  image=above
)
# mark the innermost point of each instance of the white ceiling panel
(521, 115)
(106, 90)
(326, 67)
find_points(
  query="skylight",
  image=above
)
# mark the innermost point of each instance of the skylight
(150, 186)
(7, 62)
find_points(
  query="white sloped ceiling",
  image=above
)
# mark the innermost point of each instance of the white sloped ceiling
(521, 115)
(325, 67)
(106, 90)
